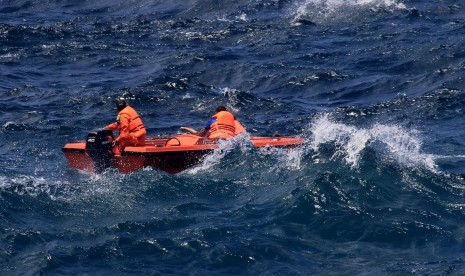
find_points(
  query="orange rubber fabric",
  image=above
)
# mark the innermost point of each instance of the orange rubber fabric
(131, 129)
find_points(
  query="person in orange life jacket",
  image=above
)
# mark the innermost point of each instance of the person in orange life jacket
(223, 125)
(131, 129)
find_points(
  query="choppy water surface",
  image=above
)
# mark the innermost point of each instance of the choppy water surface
(375, 87)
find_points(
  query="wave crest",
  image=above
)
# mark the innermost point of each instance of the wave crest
(337, 10)
(396, 143)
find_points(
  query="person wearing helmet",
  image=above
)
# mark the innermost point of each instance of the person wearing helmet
(222, 125)
(131, 129)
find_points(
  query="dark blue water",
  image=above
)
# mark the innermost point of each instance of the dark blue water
(375, 87)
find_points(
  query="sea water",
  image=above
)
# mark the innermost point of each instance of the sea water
(374, 87)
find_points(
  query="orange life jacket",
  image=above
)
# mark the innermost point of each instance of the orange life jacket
(238, 127)
(223, 127)
(129, 125)
(134, 121)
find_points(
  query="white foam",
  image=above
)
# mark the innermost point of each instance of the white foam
(241, 143)
(242, 17)
(187, 96)
(9, 57)
(401, 145)
(453, 157)
(335, 10)
(8, 124)
(286, 158)
(30, 185)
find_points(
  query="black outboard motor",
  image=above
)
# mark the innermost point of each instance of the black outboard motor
(98, 146)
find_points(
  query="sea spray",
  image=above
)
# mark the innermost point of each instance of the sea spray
(241, 143)
(321, 11)
(401, 145)
(285, 158)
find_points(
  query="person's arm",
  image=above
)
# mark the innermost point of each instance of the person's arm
(123, 127)
(193, 131)
(113, 126)
(202, 132)
(188, 129)
(205, 130)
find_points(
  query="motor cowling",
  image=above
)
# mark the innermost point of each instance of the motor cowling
(99, 148)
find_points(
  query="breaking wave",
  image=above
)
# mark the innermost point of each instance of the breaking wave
(327, 11)
(395, 143)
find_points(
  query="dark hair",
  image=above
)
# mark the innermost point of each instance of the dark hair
(121, 105)
(221, 108)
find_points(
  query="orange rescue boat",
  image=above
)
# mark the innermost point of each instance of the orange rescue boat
(171, 154)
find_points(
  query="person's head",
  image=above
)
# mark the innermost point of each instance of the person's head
(221, 108)
(120, 105)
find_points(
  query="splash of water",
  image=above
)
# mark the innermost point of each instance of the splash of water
(30, 185)
(232, 95)
(89, 186)
(241, 142)
(401, 145)
(289, 159)
(335, 10)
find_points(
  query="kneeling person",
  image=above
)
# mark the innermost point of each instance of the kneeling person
(131, 129)
(222, 125)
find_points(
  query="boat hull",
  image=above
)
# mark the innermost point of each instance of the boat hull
(171, 154)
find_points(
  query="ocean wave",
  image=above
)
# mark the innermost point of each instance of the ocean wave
(399, 144)
(332, 11)
(374, 87)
